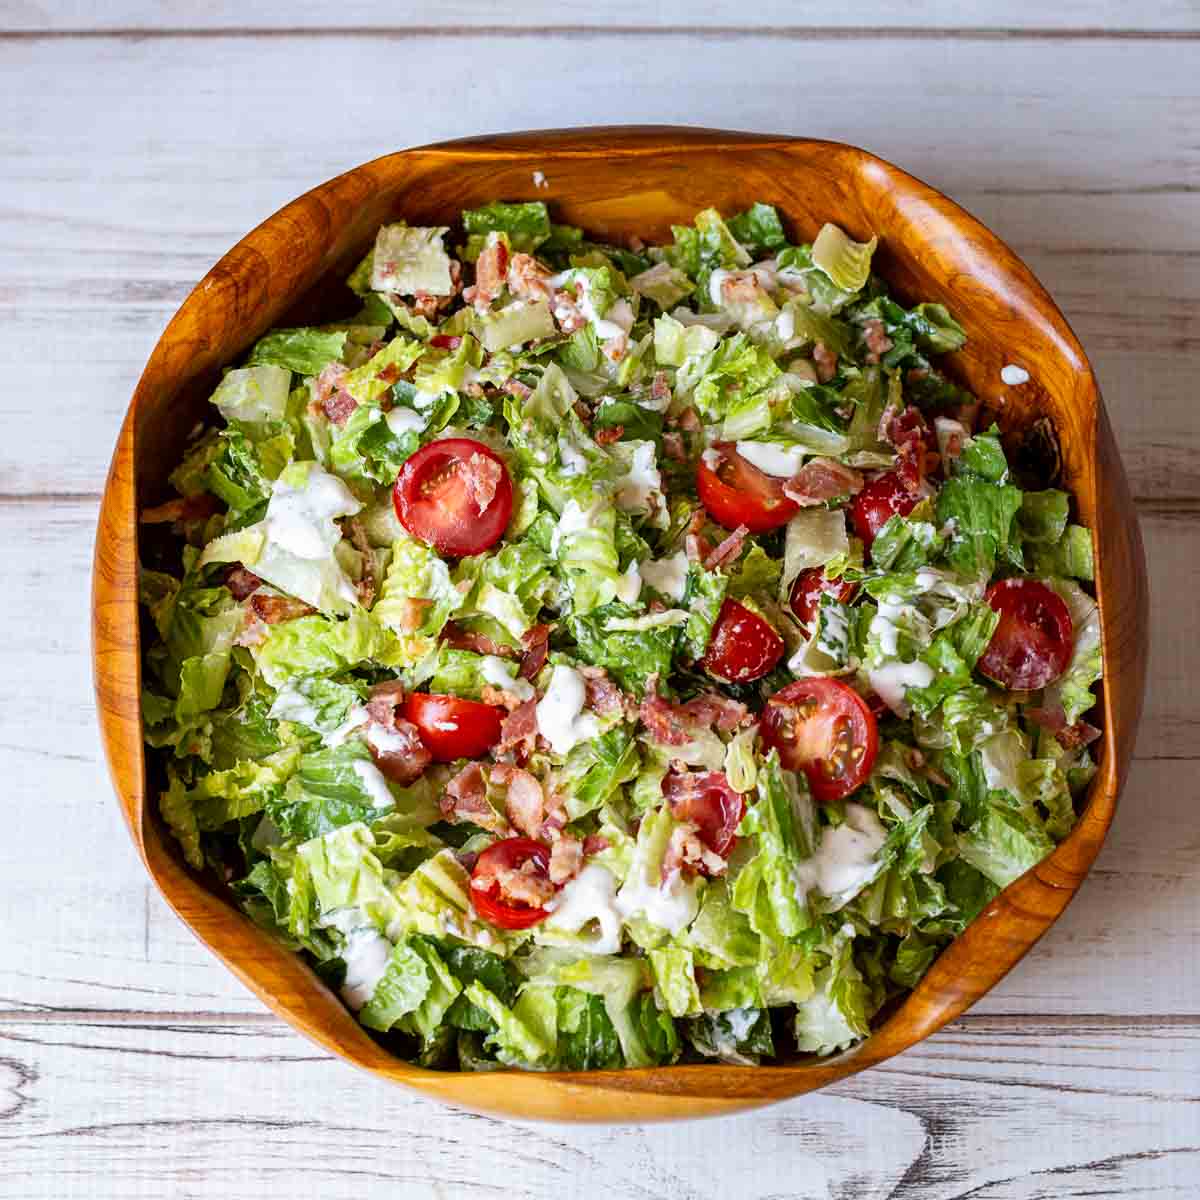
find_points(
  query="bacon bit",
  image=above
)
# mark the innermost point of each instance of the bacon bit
(660, 387)
(711, 708)
(383, 700)
(445, 341)
(825, 361)
(527, 278)
(274, 610)
(491, 269)
(698, 548)
(556, 820)
(728, 550)
(635, 243)
(253, 633)
(910, 435)
(822, 479)
(329, 396)
(606, 437)
(536, 642)
(688, 421)
(678, 724)
(686, 852)
(481, 475)
(595, 843)
(368, 586)
(741, 287)
(673, 447)
(184, 508)
(583, 412)
(240, 582)
(404, 758)
(427, 305)
(525, 802)
(514, 387)
(602, 695)
(1077, 735)
(566, 857)
(697, 520)
(567, 313)
(458, 638)
(877, 341)
(615, 348)
(515, 885)
(519, 731)
(465, 799)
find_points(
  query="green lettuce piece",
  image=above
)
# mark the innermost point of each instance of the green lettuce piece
(469, 964)
(596, 768)
(199, 641)
(584, 546)
(246, 788)
(814, 537)
(702, 600)
(904, 544)
(411, 259)
(734, 378)
(331, 788)
(307, 351)
(323, 646)
(435, 900)
(368, 383)
(316, 702)
(1043, 515)
(524, 1034)
(176, 808)
(741, 1036)
(254, 393)
(342, 871)
(664, 284)
(518, 322)
(417, 586)
(846, 262)
(720, 935)
(1069, 557)
(630, 656)
(1073, 689)
(238, 475)
(587, 1039)
(700, 249)
(759, 229)
(983, 458)
(1003, 844)
(527, 225)
(401, 989)
(836, 1015)
(675, 343)
(982, 513)
(924, 330)
(675, 980)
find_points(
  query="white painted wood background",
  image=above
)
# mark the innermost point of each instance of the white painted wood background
(138, 141)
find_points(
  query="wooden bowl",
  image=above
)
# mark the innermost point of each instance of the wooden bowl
(615, 182)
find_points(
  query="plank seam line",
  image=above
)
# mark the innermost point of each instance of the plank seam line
(712, 32)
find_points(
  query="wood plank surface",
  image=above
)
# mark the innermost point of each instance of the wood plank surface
(131, 1063)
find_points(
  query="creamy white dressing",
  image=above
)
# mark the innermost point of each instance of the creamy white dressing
(1014, 375)
(629, 585)
(403, 420)
(356, 718)
(571, 458)
(290, 704)
(785, 325)
(387, 740)
(672, 905)
(573, 520)
(711, 458)
(366, 954)
(374, 784)
(590, 896)
(539, 180)
(667, 575)
(500, 674)
(716, 282)
(640, 488)
(300, 520)
(776, 460)
(846, 859)
(560, 716)
(892, 680)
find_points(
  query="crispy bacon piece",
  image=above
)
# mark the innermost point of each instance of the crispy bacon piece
(678, 724)
(527, 278)
(685, 851)
(877, 341)
(481, 475)
(329, 396)
(728, 550)
(697, 547)
(566, 312)
(274, 610)
(514, 885)
(395, 743)
(616, 347)
(519, 731)
(566, 857)
(660, 388)
(368, 586)
(491, 269)
(253, 632)
(606, 437)
(711, 708)
(595, 843)
(911, 437)
(822, 479)
(688, 421)
(673, 447)
(240, 582)
(524, 800)
(536, 642)
(383, 700)
(1080, 734)
(603, 696)
(514, 387)
(465, 799)
(458, 638)
(825, 361)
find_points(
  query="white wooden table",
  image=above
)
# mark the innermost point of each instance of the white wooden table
(138, 141)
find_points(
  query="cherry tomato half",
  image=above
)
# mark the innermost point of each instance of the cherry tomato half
(490, 895)
(738, 493)
(808, 589)
(1033, 641)
(743, 647)
(824, 728)
(877, 503)
(706, 799)
(452, 728)
(456, 495)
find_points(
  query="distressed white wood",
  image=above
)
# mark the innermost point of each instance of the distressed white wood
(990, 1108)
(131, 1063)
(455, 15)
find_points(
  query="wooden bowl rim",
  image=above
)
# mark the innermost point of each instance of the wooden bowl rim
(627, 1095)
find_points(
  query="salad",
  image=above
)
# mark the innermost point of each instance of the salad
(592, 656)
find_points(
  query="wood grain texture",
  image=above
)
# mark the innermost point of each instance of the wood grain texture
(986, 1110)
(282, 272)
(1097, 187)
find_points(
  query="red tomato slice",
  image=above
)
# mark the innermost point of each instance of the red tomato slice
(491, 895)
(738, 493)
(1033, 642)
(808, 589)
(877, 503)
(707, 800)
(452, 728)
(456, 495)
(743, 647)
(825, 729)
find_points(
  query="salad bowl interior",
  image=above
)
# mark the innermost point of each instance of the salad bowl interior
(615, 183)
